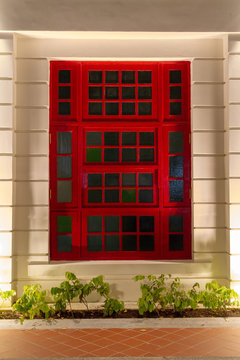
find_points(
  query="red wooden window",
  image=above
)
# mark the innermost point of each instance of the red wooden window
(120, 160)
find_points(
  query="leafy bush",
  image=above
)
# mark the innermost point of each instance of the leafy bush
(33, 302)
(5, 295)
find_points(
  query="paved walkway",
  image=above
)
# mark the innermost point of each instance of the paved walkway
(119, 342)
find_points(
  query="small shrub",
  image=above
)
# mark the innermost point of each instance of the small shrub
(5, 295)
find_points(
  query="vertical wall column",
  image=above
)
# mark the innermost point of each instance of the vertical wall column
(6, 156)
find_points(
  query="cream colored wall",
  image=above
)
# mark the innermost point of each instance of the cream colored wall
(30, 193)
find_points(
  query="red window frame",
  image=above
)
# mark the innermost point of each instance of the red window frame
(161, 122)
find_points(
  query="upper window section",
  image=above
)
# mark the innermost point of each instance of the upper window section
(119, 91)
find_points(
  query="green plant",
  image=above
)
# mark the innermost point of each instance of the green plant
(5, 295)
(33, 302)
(181, 299)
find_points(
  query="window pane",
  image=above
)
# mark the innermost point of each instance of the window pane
(64, 166)
(112, 243)
(128, 108)
(94, 243)
(64, 142)
(111, 223)
(146, 223)
(176, 190)
(94, 155)
(175, 76)
(175, 223)
(95, 77)
(128, 92)
(64, 92)
(175, 166)
(94, 138)
(111, 92)
(111, 155)
(145, 179)
(64, 224)
(111, 138)
(146, 154)
(128, 180)
(94, 224)
(95, 108)
(175, 242)
(64, 243)
(95, 92)
(129, 242)
(94, 180)
(94, 196)
(146, 243)
(128, 195)
(112, 180)
(129, 155)
(129, 138)
(64, 191)
(64, 108)
(129, 223)
(175, 108)
(111, 108)
(144, 77)
(128, 77)
(146, 138)
(145, 196)
(111, 77)
(175, 142)
(144, 108)
(64, 76)
(175, 92)
(145, 92)
(111, 196)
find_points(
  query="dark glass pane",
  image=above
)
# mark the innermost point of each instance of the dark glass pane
(146, 154)
(64, 142)
(128, 108)
(145, 196)
(64, 167)
(145, 92)
(144, 77)
(146, 138)
(128, 180)
(64, 108)
(64, 92)
(129, 223)
(129, 155)
(95, 108)
(145, 179)
(64, 191)
(112, 92)
(94, 138)
(128, 195)
(111, 180)
(175, 142)
(95, 92)
(175, 108)
(95, 77)
(175, 76)
(94, 180)
(111, 77)
(112, 243)
(146, 243)
(129, 138)
(64, 76)
(111, 108)
(128, 77)
(111, 138)
(129, 243)
(94, 224)
(111, 155)
(175, 92)
(111, 196)
(94, 155)
(175, 166)
(94, 196)
(94, 243)
(111, 223)
(146, 223)
(175, 242)
(64, 224)
(176, 190)
(175, 223)
(144, 108)
(128, 92)
(64, 243)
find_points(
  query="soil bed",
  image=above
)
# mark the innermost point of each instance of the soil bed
(131, 314)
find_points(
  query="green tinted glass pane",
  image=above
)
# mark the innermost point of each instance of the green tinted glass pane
(146, 243)
(175, 166)
(112, 243)
(175, 223)
(128, 195)
(111, 196)
(64, 224)
(175, 142)
(64, 167)
(129, 243)
(94, 224)
(94, 242)
(128, 180)
(111, 223)
(64, 243)
(94, 180)
(94, 138)
(94, 155)
(64, 142)
(176, 242)
(94, 196)
(176, 190)
(64, 191)
(111, 155)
